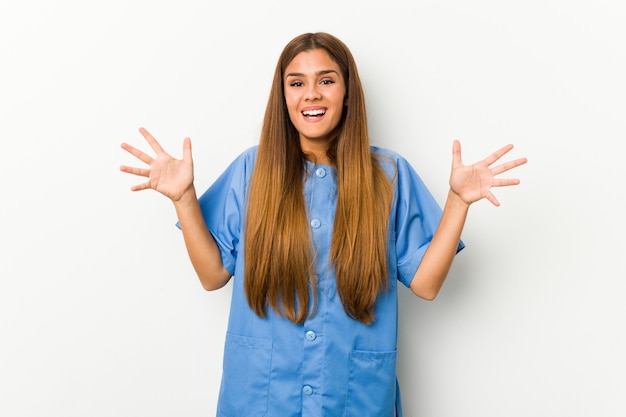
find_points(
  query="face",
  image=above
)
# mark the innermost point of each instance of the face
(315, 93)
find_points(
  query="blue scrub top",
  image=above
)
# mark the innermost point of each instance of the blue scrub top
(332, 365)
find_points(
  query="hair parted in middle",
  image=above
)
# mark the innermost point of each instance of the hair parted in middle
(279, 265)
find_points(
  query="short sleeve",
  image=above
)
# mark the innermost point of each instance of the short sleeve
(224, 204)
(417, 215)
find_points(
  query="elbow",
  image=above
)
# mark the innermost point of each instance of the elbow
(425, 292)
(427, 285)
(212, 282)
(428, 295)
(212, 286)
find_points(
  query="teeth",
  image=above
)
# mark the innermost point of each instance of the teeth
(317, 112)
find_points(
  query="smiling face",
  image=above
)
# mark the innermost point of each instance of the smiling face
(315, 94)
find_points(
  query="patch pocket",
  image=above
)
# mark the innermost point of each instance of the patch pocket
(372, 384)
(246, 375)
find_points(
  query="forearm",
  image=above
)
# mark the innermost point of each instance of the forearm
(438, 258)
(201, 246)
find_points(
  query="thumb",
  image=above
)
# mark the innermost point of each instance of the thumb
(456, 154)
(187, 151)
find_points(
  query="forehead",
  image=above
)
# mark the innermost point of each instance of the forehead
(311, 62)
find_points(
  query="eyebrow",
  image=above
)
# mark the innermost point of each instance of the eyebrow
(322, 72)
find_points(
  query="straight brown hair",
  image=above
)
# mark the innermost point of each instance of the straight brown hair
(279, 253)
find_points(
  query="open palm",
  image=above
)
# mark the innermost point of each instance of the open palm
(474, 182)
(167, 175)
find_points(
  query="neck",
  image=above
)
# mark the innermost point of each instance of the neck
(315, 151)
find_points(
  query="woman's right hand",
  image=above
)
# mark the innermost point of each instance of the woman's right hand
(167, 175)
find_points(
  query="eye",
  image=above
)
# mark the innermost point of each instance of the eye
(327, 81)
(295, 84)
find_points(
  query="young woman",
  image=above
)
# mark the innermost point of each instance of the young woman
(316, 227)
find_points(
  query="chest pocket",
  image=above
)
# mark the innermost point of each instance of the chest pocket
(245, 381)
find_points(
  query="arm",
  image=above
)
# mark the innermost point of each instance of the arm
(468, 184)
(201, 247)
(438, 258)
(174, 179)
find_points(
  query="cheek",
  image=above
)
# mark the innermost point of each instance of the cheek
(291, 102)
(292, 110)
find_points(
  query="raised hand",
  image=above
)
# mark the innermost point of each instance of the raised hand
(167, 175)
(474, 182)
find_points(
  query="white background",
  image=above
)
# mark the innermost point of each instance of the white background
(100, 311)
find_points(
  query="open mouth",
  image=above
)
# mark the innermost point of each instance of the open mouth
(314, 114)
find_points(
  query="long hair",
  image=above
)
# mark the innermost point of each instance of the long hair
(278, 247)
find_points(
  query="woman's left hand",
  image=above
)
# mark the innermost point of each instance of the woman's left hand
(474, 182)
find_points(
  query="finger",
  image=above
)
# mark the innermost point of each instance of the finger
(141, 172)
(497, 154)
(504, 182)
(492, 199)
(140, 187)
(456, 154)
(187, 150)
(151, 140)
(508, 166)
(143, 157)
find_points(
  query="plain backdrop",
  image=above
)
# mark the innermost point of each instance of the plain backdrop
(101, 313)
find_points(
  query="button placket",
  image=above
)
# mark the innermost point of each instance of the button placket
(319, 191)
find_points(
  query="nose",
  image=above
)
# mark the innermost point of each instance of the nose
(312, 92)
